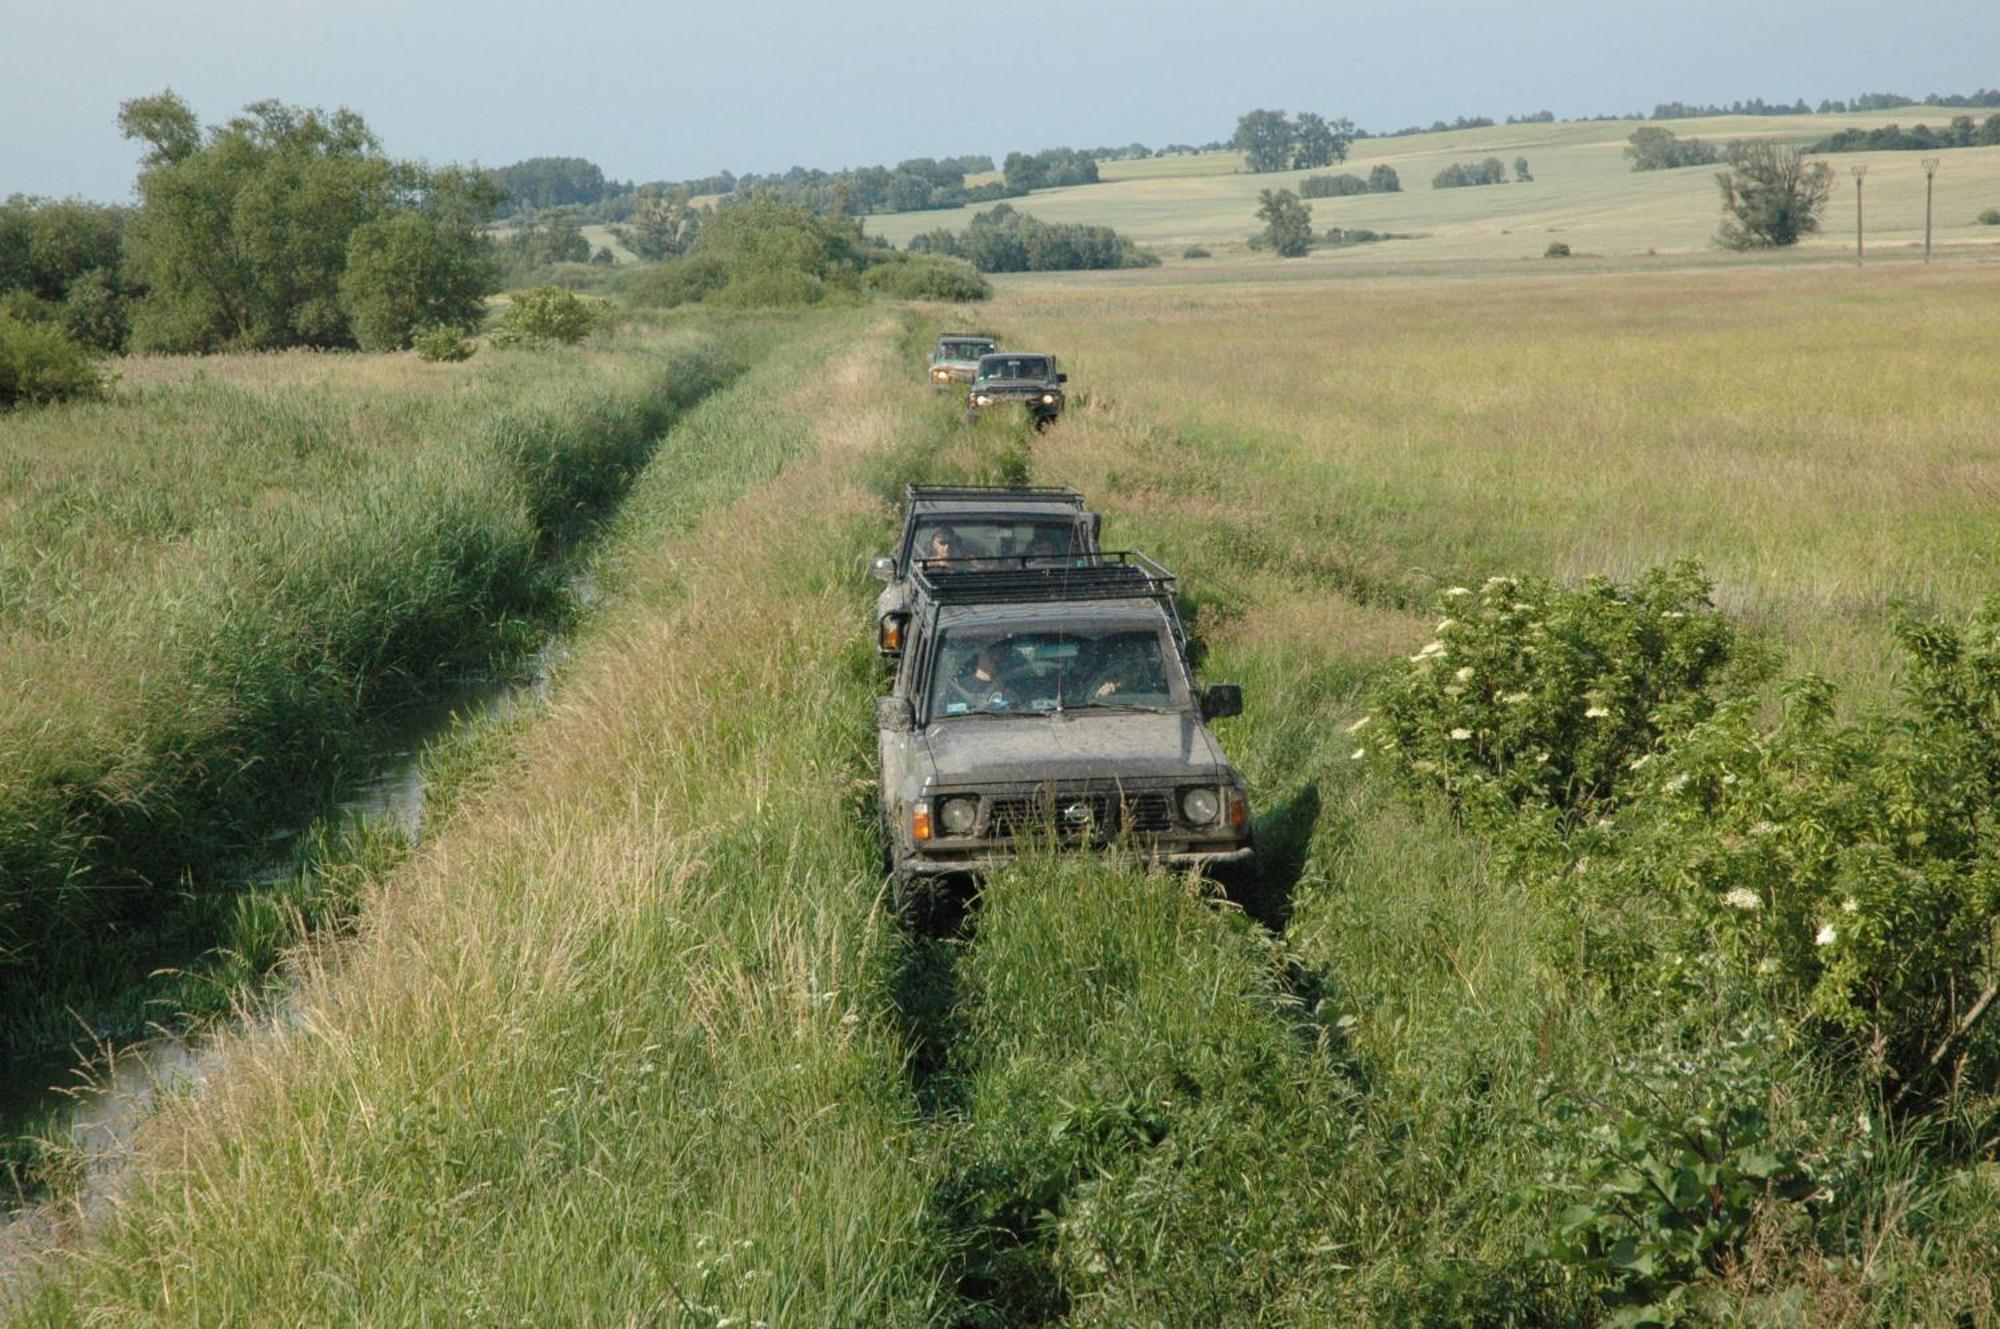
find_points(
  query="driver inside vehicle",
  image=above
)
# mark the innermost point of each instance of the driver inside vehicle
(979, 687)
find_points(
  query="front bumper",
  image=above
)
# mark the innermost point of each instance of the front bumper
(989, 858)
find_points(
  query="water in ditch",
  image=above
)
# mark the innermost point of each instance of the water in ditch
(93, 1097)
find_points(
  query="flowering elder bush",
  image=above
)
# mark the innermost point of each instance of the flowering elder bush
(1851, 871)
(1537, 695)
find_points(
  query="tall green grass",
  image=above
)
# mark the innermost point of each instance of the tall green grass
(214, 590)
(614, 1045)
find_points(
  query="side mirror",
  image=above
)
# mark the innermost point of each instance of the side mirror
(882, 569)
(1219, 701)
(1096, 530)
(1062, 378)
(895, 715)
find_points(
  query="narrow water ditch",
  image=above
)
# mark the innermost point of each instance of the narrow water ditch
(86, 1099)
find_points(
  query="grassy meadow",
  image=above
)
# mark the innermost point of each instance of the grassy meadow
(632, 1036)
(1584, 194)
(1817, 437)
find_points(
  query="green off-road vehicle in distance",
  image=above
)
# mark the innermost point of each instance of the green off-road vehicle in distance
(1053, 705)
(1030, 378)
(978, 523)
(955, 360)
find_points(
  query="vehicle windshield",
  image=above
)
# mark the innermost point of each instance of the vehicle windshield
(963, 350)
(1007, 670)
(1056, 538)
(1013, 366)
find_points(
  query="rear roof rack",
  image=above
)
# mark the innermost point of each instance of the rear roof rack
(1120, 574)
(952, 493)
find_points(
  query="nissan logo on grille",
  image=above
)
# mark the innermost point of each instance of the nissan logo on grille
(1076, 814)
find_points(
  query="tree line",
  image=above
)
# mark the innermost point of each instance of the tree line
(1381, 179)
(1002, 239)
(1960, 133)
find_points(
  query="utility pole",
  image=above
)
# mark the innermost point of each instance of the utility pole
(1859, 172)
(1930, 178)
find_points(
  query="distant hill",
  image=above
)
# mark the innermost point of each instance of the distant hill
(1584, 193)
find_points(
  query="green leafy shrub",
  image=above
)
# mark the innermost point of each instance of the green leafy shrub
(440, 342)
(679, 281)
(1850, 872)
(40, 364)
(1536, 694)
(1674, 1172)
(1195, 251)
(546, 314)
(1990, 217)
(925, 277)
(1556, 249)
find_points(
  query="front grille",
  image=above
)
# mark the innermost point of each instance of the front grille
(1079, 816)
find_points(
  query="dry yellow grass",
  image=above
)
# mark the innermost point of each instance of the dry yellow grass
(1819, 437)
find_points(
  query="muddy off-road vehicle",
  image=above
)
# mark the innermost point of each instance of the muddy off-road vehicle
(1053, 705)
(1029, 378)
(979, 523)
(956, 358)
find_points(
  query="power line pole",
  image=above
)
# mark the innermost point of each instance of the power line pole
(1930, 178)
(1859, 172)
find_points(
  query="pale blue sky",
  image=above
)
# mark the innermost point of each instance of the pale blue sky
(670, 90)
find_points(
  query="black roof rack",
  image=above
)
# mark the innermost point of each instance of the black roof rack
(947, 493)
(1119, 574)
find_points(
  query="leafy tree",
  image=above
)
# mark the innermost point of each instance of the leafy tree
(1521, 174)
(241, 242)
(1287, 223)
(1265, 139)
(552, 237)
(1023, 172)
(660, 227)
(410, 270)
(1772, 194)
(94, 311)
(1315, 142)
(1382, 179)
(1654, 149)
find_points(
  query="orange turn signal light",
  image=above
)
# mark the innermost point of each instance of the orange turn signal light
(891, 637)
(1239, 810)
(920, 823)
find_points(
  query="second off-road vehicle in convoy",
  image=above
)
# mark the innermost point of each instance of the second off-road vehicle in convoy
(955, 360)
(1053, 705)
(1029, 378)
(977, 526)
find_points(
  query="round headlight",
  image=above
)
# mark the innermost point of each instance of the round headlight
(1199, 806)
(957, 815)
(982, 400)
(1048, 399)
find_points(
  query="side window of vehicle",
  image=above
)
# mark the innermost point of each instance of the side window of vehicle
(912, 671)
